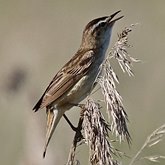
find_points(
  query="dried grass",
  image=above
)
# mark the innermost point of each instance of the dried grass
(153, 139)
(93, 128)
(107, 80)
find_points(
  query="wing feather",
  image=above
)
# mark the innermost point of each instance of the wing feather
(66, 78)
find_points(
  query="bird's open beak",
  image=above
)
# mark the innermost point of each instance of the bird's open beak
(111, 20)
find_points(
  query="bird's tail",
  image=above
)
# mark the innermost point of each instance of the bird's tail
(53, 117)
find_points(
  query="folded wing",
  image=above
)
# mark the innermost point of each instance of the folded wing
(66, 78)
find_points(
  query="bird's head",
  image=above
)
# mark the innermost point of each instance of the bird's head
(97, 32)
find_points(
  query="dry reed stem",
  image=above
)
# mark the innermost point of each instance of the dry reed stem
(153, 139)
(94, 127)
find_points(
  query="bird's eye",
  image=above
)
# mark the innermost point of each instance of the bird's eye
(102, 24)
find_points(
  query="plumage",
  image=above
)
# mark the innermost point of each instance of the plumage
(66, 78)
(76, 79)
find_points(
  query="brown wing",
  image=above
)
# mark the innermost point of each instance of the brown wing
(66, 78)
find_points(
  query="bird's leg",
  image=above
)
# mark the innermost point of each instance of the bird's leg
(68, 121)
(77, 105)
(78, 135)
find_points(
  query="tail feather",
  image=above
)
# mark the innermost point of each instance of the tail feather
(39, 103)
(53, 118)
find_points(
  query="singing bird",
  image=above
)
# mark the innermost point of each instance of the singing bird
(76, 79)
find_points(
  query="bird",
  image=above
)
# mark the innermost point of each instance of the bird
(76, 79)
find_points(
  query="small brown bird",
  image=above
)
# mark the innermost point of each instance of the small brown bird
(76, 79)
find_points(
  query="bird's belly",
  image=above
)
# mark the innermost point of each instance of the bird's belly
(82, 88)
(79, 91)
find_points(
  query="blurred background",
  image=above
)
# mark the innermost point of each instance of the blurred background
(38, 37)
